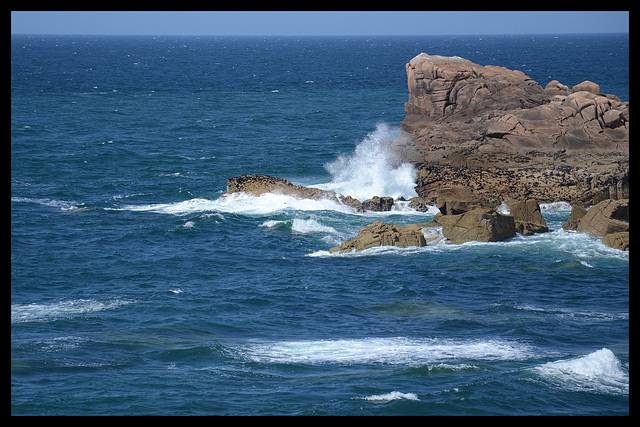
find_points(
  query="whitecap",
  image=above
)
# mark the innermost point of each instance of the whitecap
(597, 372)
(388, 397)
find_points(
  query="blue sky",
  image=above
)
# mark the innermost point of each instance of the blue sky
(317, 23)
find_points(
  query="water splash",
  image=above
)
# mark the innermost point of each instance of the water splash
(373, 169)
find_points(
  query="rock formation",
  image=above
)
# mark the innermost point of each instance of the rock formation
(260, 184)
(500, 133)
(483, 135)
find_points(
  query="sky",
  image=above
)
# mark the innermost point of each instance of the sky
(270, 23)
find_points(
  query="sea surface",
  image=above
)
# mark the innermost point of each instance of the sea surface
(137, 288)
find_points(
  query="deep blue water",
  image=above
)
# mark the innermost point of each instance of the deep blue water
(137, 289)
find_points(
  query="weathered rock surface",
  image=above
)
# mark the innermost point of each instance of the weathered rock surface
(383, 234)
(500, 133)
(260, 184)
(608, 216)
(528, 217)
(577, 212)
(619, 240)
(479, 224)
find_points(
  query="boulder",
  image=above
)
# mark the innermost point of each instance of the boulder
(608, 216)
(480, 224)
(619, 240)
(528, 217)
(588, 86)
(378, 204)
(383, 234)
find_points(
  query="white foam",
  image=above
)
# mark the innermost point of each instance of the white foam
(21, 313)
(388, 397)
(301, 226)
(373, 169)
(243, 203)
(401, 351)
(555, 207)
(599, 372)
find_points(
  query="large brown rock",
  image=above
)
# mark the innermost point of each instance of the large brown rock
(500, 133)
(382, 234)
(608, 216)
(528, 217)
(480, 224)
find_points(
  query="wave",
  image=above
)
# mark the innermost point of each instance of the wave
(373, 169)
(301, 226)
(393, 351)
(597, 372)
(22, 313)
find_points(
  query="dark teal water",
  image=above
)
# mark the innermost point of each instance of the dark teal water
(137, 289)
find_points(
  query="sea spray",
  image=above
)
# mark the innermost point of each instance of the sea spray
(373, 169)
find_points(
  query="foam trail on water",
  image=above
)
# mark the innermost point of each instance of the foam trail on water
(404, 351)
(373, 169)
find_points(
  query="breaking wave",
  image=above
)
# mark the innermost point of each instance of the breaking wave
(373, 169)
(597, 372)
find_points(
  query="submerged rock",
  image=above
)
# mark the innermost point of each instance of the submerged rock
(260, 184)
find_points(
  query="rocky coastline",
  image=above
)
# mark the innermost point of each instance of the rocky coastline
(482, 136)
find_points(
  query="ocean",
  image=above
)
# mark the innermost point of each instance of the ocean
(138, 289)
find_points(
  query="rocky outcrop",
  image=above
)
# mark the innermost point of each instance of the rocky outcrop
(500, 133)
(383, 234)
(260, 184)
(528, 217)
(608, 219)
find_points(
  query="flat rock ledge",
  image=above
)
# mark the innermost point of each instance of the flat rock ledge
(260, 184)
